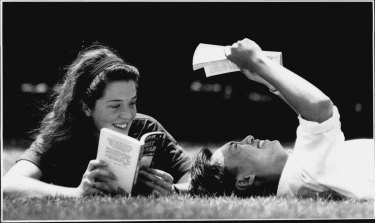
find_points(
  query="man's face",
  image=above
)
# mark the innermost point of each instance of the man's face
(260, 159)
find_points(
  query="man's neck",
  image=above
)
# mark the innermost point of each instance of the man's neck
(275, 179)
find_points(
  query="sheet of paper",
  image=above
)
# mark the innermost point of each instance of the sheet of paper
(212, 58)
(206, 53)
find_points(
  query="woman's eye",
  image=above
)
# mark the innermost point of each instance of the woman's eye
(115, 106)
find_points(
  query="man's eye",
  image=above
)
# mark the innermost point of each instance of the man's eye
(115, 106)
(133, 103)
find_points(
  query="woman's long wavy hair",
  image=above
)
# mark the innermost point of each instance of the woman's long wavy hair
(65, 116)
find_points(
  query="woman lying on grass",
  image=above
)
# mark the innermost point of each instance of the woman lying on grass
(99, 90)
(321, 164)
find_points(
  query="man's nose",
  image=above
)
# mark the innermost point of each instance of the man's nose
(249, 139)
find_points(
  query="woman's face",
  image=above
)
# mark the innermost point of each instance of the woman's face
(116, 109)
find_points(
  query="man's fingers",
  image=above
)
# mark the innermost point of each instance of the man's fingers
(227, 51)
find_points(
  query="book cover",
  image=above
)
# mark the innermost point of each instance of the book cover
(212, 58)
(125, 155)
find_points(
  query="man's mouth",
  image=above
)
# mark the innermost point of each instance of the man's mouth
(121, 126)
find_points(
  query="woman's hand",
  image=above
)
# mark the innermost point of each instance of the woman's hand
(96, 180)
(160, 182)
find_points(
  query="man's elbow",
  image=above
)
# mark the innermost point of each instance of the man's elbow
(323, 110)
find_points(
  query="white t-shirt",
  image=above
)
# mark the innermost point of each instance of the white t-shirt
(322, 163)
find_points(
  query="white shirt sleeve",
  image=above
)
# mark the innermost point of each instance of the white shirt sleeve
(316, 140)
(307, 161)
(323, 163)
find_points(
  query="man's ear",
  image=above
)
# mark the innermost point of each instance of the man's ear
(244, 182)
(86, 109)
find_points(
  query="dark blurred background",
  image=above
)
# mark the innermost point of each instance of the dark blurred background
(328, 43)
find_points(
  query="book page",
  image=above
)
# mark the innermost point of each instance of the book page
(220, 67)
(212, 58)
(122, 155)
(206, 53)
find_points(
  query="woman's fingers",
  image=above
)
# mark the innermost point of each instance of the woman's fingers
(103, 174)
(157, 189)
(103, 186)
(93, 164)
(97, 179)
(145, 176)
(96, 169)
(87, 187)
(156, 182)
(164, 175)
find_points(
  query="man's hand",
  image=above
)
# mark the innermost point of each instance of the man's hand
(244, 54)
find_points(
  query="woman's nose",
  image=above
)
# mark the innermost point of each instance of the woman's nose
(125, 114)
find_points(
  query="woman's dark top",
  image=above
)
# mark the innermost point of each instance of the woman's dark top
(65, 163)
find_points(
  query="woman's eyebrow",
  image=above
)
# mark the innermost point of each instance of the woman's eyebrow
(119, 100)
(114, 100)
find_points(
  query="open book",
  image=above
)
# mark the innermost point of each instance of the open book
(212, 58)
(125, 155)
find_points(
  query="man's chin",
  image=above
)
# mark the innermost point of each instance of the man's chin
(277, 145)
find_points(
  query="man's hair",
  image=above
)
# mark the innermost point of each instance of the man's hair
(211, 179)
(207, 178)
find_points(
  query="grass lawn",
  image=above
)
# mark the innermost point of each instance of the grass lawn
(176, 206)
(182, 207)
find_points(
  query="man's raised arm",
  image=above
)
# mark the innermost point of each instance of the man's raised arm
(306, 99)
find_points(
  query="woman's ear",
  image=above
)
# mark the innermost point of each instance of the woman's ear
(86, 109)
(244, 182)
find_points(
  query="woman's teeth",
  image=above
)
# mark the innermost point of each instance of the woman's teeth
(261, 143)
(121, 126)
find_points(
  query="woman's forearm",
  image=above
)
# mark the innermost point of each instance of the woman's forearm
(29, 187)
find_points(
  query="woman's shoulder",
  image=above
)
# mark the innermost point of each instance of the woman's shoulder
(146, 121)
(143, 118)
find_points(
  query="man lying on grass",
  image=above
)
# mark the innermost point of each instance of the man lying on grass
(322, 163)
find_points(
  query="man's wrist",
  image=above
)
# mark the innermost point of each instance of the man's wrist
(274, 91)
